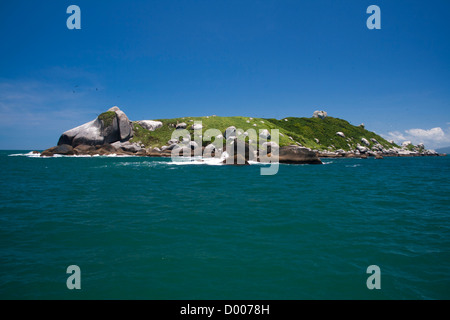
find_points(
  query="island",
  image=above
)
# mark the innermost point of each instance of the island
(300, 140)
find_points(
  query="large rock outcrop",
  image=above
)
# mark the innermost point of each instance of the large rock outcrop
(63, 149)
(88, 133)
(108, 127)
(125, 128)
(294, 154)
(320, 114)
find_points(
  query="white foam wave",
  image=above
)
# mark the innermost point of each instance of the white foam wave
(29, 154)
(182, 161)
(38, 155)
(196, 161)
(141, 164)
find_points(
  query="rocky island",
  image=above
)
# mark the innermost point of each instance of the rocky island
(301, 140)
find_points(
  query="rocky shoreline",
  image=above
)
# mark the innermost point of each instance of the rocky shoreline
(136, 150)
(289, 154)
(111, 133)
(379, 154)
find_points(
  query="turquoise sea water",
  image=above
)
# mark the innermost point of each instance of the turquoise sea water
(145, 228)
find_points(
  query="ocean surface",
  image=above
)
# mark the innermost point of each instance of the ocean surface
(147, 228)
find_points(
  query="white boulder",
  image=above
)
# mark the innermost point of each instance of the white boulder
(127, 146)
(193, 145)
(406, 143)
(365, 141)
(150, 124)
(230, 132)
(173, 141)
(320, 114)
(209, 149)
(264, 134)
(196, 126)
(362, 149)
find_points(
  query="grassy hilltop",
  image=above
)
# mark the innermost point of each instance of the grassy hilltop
(302, 130)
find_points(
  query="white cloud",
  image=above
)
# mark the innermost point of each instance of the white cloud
(432, 138)
(396, 136)
(436, 134)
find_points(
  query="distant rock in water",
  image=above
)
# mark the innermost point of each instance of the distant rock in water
(110, 126)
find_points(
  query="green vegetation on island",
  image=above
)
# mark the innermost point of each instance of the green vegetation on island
(314, 133)
(301, 140)
(107, 118)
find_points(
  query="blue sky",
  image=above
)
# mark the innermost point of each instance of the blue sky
(164, 59)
